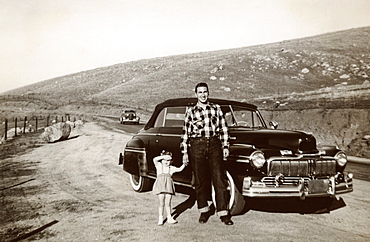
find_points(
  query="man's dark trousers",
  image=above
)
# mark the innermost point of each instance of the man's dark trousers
(206, 158)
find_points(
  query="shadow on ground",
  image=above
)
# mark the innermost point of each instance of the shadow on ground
(69, 138)
(273, 205)
(294, 205)
(187, 204)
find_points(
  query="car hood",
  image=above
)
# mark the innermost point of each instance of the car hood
(296, 141)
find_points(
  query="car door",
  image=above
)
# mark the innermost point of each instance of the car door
(169, 137)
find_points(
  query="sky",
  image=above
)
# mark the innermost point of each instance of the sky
(43, 39)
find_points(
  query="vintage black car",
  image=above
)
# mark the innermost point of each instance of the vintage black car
(263, 162)
(129, 116)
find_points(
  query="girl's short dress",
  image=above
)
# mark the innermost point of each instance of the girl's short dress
(164, 184)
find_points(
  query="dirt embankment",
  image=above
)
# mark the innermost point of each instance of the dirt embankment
(349, 129)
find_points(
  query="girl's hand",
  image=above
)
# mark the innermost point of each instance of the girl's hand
(185, 159)
(226, 153)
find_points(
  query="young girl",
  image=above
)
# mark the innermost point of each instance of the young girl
(163, 185)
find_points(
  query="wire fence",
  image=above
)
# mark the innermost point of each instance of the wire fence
(17, 126)
(56, 102)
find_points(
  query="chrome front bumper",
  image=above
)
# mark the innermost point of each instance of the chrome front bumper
(296, 187)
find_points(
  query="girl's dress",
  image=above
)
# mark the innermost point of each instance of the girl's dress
(164, 184)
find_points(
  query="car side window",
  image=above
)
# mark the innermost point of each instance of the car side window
(171, 117)
(160, 118)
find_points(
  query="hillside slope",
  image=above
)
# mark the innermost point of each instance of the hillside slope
(245, 73)
(329, 71)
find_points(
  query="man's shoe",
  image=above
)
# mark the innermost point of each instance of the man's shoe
(204, 218)
(227, 220)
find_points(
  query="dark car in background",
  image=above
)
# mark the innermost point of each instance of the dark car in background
(129, 116)
(264, 161)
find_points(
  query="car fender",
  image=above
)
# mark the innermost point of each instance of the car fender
(329, 150)
(135, 157)
(241, 151)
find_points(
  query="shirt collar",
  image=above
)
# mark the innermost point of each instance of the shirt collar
(197, 107)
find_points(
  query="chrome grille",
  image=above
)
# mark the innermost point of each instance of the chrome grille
(287, 180)
(302, 167)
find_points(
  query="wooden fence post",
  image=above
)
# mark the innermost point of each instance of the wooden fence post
(36, 125)
(15, 126)
(47, 121)
(24, 124)
(6, 129)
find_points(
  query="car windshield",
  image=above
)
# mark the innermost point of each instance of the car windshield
(234, 116)
(244, 117)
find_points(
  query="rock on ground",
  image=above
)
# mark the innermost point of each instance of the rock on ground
(56, 132)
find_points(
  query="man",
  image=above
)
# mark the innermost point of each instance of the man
(204, 143)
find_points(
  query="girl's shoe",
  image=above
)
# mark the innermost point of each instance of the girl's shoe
(160, 220)
(170, 220)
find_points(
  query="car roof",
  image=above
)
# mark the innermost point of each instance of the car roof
(191, 102)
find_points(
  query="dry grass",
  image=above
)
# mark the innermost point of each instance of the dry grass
(329, 71)
(282, 68)
(20, 144)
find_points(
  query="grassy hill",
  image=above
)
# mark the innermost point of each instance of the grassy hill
(292, 66)
(329, 71)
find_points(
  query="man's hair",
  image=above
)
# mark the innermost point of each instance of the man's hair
(201, 84)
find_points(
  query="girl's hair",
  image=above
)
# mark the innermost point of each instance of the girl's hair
(167, 153)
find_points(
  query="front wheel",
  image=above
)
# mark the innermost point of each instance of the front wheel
(236, 201)
(140, 184)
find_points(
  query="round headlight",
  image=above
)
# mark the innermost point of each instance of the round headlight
(341, 158)
(257, 159)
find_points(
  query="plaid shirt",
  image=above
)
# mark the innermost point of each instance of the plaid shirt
(207, 122)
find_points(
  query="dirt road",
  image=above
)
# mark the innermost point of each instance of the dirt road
(74, 190)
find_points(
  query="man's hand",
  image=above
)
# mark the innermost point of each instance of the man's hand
(185, 159)
(226, 154)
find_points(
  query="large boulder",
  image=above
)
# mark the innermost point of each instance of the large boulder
(56, 132)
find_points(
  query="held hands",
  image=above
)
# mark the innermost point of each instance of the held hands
(226, 154)
(185, 159)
